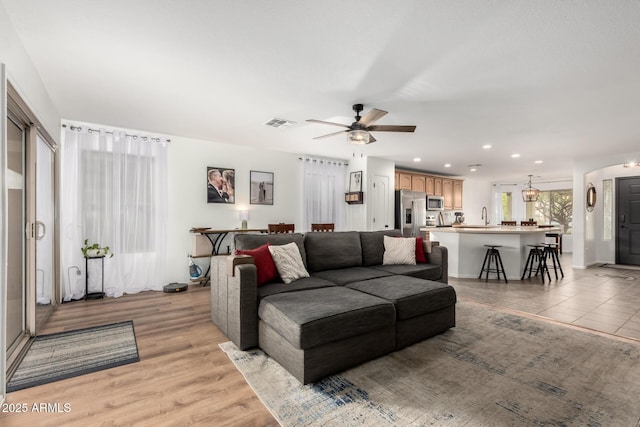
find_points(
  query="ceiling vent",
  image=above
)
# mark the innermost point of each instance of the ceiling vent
(280, 123)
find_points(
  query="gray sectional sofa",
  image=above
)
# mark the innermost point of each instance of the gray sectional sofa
(351, 309)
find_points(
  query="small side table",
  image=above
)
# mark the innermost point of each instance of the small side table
(93, 295)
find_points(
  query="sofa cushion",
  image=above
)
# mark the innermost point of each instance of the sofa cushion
(307, 319)
(266, 270)
(399, 250)
(244, 241)
(373, 245)
(411, 296)
(344, 276)
(299, 285)
(288, 261)
(422, 271)
(329, 251)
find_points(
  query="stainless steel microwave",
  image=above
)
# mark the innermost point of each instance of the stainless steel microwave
(435, 203)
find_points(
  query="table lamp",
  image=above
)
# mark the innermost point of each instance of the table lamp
(244, 216)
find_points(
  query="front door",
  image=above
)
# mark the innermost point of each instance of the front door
(628, 221)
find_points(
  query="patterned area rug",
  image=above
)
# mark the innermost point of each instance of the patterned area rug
(70, 354)
(493, 368)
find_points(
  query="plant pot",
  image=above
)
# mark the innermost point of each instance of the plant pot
(94, 253)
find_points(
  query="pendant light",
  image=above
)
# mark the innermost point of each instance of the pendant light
(530, 194)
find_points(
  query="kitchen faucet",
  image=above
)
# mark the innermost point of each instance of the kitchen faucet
(485, 215)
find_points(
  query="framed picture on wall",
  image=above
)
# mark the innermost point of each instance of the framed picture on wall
(261, 188)
(221, 184)
(355, 181)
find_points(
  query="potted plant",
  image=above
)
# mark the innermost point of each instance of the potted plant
(95, 250)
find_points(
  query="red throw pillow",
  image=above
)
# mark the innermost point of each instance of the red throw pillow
(266, 269)
(421, 257)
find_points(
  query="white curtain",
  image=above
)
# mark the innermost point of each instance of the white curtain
(113, 192)
(324, 188)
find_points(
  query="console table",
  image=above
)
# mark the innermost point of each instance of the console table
(216, 237)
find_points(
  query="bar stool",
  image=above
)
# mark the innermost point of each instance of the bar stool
(536, 255)
(551, 251)
(492, 254)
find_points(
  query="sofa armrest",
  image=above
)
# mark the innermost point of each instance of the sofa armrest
(234, 300)
(440, 256)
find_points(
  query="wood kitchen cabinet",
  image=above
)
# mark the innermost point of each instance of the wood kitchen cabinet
(437, 186)
(449, 188)
(404, 181)
(447, 193)
(457, 194)
(418, 183)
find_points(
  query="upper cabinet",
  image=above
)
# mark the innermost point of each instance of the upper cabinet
(449, 188)
(418, 183)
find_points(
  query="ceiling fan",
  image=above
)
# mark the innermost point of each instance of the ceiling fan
(358, 132)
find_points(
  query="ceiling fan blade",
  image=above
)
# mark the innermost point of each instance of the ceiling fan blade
(391, 128)
(327, 123)
(371, 139)
(331, 134)
(372, 116)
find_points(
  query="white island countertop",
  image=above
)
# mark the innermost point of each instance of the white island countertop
(466, 246)
(491, 229)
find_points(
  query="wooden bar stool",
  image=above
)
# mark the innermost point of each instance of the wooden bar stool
(492, 255)
(536, 257)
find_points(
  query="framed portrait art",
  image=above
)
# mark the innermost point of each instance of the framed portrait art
(221, 185)
(261, 188)
(355, 182)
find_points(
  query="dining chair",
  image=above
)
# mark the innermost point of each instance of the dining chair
(508, 223)
(323, 227)
(528, 223)
(280, 228)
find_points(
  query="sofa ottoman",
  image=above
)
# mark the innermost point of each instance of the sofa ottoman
(424, 308)
(317, 332)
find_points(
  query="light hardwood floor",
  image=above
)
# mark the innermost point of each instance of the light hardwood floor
(183, 378)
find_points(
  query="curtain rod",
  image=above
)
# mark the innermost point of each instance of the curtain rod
(335, 162)
(90, 130)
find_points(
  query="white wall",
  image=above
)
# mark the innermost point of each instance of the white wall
(187, 194)
(25, 79)
(356, 214)
(476, 194)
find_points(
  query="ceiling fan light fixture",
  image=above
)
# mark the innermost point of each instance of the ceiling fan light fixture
(530, 194)
(358, 137)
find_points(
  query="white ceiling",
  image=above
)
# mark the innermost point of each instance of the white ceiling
(550, 80)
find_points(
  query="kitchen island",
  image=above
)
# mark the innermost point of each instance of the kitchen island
(466, 247)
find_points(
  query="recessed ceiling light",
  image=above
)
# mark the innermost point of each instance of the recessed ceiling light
(537, 162)
(486, 146)
(417, 159)
(473, 169)
(515, 156)
(447, 165)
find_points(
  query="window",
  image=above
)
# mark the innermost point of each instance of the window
(553, 207)
(134, 199)
(507, 206)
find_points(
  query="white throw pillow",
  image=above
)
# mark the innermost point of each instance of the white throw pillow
(288, 261)
(399, 250)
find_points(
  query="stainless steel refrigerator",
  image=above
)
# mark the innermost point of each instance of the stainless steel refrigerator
(411, 212)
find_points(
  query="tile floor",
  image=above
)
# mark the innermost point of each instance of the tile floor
(603, 299)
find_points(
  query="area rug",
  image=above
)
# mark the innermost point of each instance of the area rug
(69, 354)
(493, 368)
(621, 267)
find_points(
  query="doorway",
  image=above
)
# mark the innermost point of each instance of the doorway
(628, 221)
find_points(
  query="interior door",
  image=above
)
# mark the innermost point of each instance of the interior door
(380, 209)
(628, 221)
